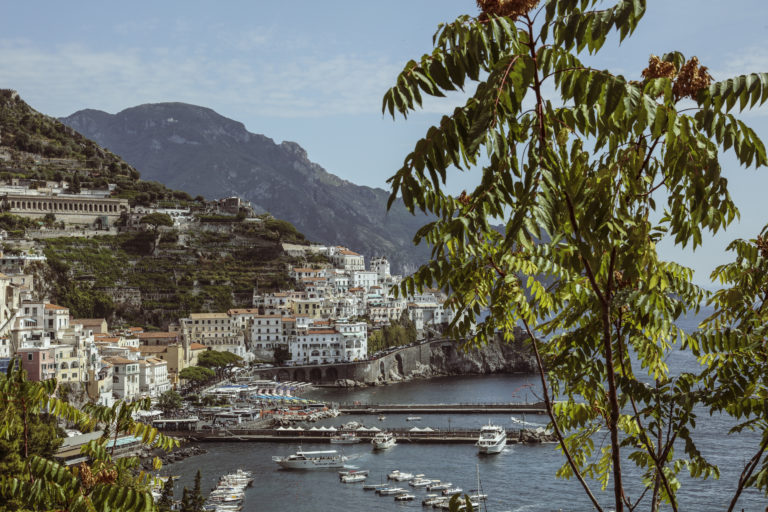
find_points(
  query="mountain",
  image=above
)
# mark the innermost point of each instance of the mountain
(194, 149)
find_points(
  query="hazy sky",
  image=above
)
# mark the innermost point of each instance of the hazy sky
(314, 71)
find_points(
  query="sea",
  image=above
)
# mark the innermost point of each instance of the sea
(521, 478)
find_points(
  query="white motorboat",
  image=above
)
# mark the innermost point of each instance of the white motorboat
(383, 440)
(452, 490)
(354, 477)
(431, 499)
(312, 460)
(438, 486)
(420, 482)
(390, 491)
(404, 497)
(493, 439)
(345, 438)
(400, 476)
(413, 418)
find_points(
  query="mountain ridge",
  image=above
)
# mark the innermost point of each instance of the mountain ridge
(193, 148)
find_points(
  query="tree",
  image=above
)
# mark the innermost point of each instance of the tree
(577, 180)
(74, 184)
(170, 401)
(196, 374)
(156, 220)
(31, 479)
(165, 503)
(281, 354)
(217, 360)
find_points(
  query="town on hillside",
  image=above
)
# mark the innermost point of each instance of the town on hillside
(337, 309)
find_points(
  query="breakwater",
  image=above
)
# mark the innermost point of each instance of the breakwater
(469, 408)
(403, 435)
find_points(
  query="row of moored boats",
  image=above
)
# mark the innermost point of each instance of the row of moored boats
(229, 493)
(433, 486)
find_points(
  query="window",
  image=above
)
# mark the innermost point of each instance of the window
(29, 356)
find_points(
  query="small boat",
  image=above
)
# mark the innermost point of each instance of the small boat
(383, 440)
(431, 499)
(413, 418)
(400, 476)
(382, 417)
(404, 497)
(354, 477)
(345, 438)
(493, 439)
(353, 472)
(438, 486)
(312, 460)
(452, 490)
(374, 487)
(420, 482)
(389, 491)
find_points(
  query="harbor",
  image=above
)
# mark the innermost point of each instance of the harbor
(466, 408)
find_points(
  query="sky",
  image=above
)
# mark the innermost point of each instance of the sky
(315, 72)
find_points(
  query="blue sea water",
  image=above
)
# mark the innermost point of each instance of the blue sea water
(522, 478)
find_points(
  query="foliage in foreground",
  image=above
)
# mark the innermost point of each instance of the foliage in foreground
(587, 182)
(103, 483)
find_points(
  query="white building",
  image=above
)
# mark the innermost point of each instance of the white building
(363, 279)
(348, 260)
(354, 340)
(317, 346)
(381, 267)
(125, 381)
(153, 377)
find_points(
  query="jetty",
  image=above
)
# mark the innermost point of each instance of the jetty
(467, 408)
(300, 435)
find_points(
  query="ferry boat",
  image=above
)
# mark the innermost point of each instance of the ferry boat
(345, 438)
(493, 439)
(383, 440)
(322, 459)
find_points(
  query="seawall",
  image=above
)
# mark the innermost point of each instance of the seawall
(423, 360)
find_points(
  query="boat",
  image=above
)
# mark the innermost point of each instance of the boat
(493, 439)
(374, 487)
(420, 482)
(383, 440)
(350, 472)
(322, 459)
(400, 476)
(404, 497)
(382, 417)
(354, 477)
(345, 438)
(452, 490)
(413, 418)
(431, 499)
(438, 486)
(389, 491)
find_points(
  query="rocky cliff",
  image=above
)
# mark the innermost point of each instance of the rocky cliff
(201, 152)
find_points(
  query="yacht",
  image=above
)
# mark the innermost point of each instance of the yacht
(383, 440)
(345, 438)
(493, 439)
(312, 460)
(354, 477)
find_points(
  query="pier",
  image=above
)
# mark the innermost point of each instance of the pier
(476, 408)
(404, 436)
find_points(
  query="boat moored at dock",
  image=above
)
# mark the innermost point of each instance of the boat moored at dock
(493, 439)
(322, 459)
(383, 440)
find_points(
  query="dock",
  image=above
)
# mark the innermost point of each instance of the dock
(469, 408)
(404, 436)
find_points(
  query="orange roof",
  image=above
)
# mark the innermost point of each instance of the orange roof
(153, 335)
(197, 346)
(118, 360)
(347, 252)
(55, 307)
(241, 311)
(144, 349)
(88, 321)
(106, 339)
(135, 329)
